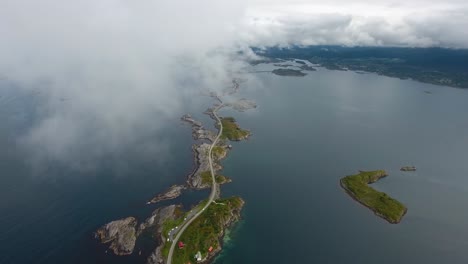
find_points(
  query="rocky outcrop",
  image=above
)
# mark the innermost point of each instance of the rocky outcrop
(173, 192)
(120, 233)
(408, 168)
(157, 218)
(156, 257)
(202, 164)
(198, 131)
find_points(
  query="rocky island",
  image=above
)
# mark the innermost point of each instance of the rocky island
(121, 235)
(379, 202)
(173, 192)
(408, 168)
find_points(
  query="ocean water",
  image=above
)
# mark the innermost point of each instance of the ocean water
(307, 133)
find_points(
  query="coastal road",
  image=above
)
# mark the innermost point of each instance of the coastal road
(214, 188)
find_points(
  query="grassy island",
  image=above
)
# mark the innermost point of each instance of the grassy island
(379, 202)
(232, 131)
(207, 230)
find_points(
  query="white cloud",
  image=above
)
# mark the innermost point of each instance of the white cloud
(419, 23)
(123, 63)
(119, 64)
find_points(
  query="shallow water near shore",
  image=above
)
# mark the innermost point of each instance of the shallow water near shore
(308, 132)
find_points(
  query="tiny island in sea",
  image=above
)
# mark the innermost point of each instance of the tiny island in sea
(288, 72)
(357, 186)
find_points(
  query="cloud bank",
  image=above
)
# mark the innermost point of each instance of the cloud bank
(112, 71)
(419, 23)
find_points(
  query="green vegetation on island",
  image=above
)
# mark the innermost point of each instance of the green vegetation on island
(232, 131)
(206, 178)
(379, 202)
(207, 230)
(219, 152)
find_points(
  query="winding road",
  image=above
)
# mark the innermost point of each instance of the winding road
(213, 188)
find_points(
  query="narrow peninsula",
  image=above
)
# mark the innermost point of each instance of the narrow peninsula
(379, 202)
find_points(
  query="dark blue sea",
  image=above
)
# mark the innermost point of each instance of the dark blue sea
(307, 133)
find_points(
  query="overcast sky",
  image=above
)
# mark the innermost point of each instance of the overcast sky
(416, 23)
(126, 62)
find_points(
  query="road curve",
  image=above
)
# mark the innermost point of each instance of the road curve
(213, 189)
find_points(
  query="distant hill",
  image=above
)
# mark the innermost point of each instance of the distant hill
(431, 65)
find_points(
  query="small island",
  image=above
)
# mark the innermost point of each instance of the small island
(288, 72)
(379, 202)
(408, 168)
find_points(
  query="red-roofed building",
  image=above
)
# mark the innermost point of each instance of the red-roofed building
(181, 244)
(210, 249)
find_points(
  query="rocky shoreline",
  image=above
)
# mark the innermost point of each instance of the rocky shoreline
(122, 234)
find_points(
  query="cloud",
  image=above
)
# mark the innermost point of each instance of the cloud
(358, 23)
(112, 72)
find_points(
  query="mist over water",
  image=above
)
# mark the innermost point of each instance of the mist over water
(307, 133)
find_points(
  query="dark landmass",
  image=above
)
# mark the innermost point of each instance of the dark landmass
(208, 230)
(429, 65)
(307, 68)
(120, 233)
(408, 168)
(289, 72)
(232, 131)
(284, 65)
(379, 202)
(300, 62)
